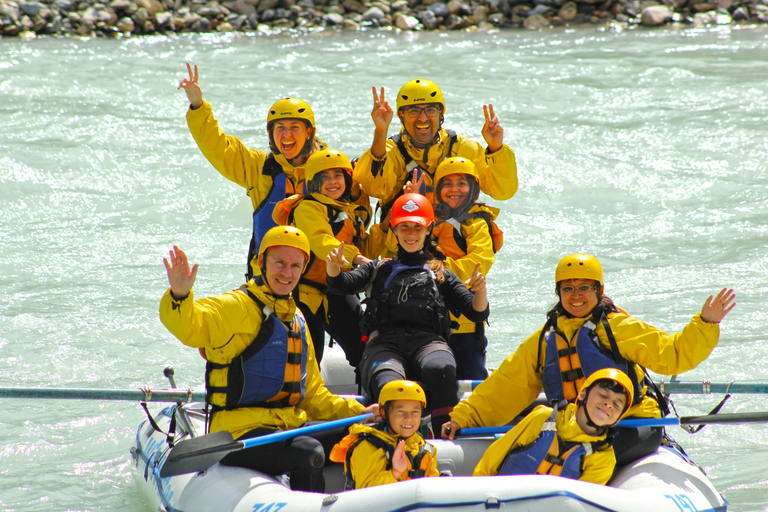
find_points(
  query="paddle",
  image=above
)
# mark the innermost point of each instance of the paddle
(139, 395)
(200, 453)
(704, 387)
(743, 417)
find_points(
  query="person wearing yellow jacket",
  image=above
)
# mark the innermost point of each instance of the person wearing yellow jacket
(393, 450)
(570, 441)
(414, 154)
(466, 232)
(329, 216)
(261, 372)
(267, 176)
(591, 333)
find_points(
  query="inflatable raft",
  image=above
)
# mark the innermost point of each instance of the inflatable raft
(664, 481)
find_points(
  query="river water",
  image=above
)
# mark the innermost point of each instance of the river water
(645, 148)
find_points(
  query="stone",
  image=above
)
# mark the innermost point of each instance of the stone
(31, 8)
(164, 20)
(242, 7)
(141, 16)
(439, 9)
(11, 11)
(334, 18)
(119, 5)
(480, 13)
(740, 14)
(126, 25)
(497, 19)
(202, 25)
(703, 7)
(655, 15)
(266, 5)
(455, 7)
(428, 19)
(354, 6)
(404, 22)
(568, 11)
(374, 13)
(540, 10)
(267, 16)
(536, 22)
(350, 24)
(152, 6)
(225, 27)
(400, 5)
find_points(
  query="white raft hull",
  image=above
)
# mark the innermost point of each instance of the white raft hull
(661, 482)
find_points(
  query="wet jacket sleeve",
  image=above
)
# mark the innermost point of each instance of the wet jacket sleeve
(498, 171)
(312, 218)
(506, 392)
(369, 467)
(598, 466)
(459, 298)
(663, 353)
(480, 247)
(381, 177)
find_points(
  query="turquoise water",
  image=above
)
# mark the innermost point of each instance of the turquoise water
(645, 148)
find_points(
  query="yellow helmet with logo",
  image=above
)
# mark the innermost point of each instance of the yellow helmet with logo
(291, 108)
(616, 375)
(455, 165)
(288, 236)
(326, 159)
(419, 91)
(579, 266)
(402, 390)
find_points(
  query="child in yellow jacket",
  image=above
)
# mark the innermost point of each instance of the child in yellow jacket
(571, 442)
(392, 451)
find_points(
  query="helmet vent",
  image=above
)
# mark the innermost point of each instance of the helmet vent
(434, 93)
(301, 110)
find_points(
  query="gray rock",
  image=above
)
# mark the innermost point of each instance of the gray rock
(350, 24)
(480, 13)
(428, 19)
(241, 7)
(354, 6)
(11, 11)
(540, 10)
(31, 8)
(655, 15)
(64, 5)
(163, 19)
(202, 25)
(456, 7)
(557, 3)
(439, 9)
(740, 14)
(536, 22)
(141, 16)
(334, 18)
(126, 25)
(404, 22)
(399, 5)
(267, 16)
(253, 21)
(152, 6)
(54, 27)
(497, 19)
(266, 5)
(374, 13)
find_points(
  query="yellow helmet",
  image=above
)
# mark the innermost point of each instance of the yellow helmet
(618, 377)
(401, 390)
(455, 165)
(326, 159)
(291, 108)
(579, 266)
(288, 236)
(419, 91)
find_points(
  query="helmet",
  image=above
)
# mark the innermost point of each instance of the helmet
(419, 91)
(412, 208)
(402, 390)
(579, 266)
(615, 375)
(326, 159)
(290, 108)
(288, 236)
(455, 165)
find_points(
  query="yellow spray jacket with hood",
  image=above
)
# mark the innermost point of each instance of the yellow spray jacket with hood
(370, 465)
(491, 403)
(384, 177)
(222, 326)
(597, 467)
(481, 250)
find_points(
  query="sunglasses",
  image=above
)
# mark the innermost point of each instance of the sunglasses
(414, 112)
(581, 288)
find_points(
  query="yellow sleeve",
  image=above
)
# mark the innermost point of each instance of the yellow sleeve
(498, 171)
(312, 218)
(480, 250)
(369, 466)
(663, 353)
(523, 434)
(384, 177)
(492, 403)
(598, 466)
(228, 155)
(374, 245)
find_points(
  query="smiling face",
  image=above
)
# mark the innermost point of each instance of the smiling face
(411, 236)
(578, 302)
(284, 266)
(290, 135)
(332, 183)
(603, 405)
(404, 417)
(454, 189)
(421, 121)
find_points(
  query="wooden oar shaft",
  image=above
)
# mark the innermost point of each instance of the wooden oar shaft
(148, 395)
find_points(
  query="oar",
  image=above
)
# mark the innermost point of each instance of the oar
(704, 387)
(200, 453)
(740, 417)
(138, 395)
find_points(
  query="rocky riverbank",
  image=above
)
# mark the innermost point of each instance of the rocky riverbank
(136, 17)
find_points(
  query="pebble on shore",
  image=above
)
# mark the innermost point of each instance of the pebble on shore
(116, 18)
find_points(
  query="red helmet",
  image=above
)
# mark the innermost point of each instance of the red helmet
(412, 208)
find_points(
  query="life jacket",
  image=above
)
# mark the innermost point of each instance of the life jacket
(567, 364)
(453, 242)
(413, 170)
(345, 229)
(271, 372)
(410, 297)
(262, 216)
(349, 444)
(550, 455)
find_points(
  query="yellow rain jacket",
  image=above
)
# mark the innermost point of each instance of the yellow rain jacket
(492, 404)
(370, 465)
(479, 245)
(222, 326)
(597, 467)
(384, 177)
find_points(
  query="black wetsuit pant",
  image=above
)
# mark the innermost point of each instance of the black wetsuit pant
(302, 457)
(630, 444)
(469, 350)
(417, 356)
(343, 326)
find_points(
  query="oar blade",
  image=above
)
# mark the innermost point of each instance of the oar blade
(198, 453)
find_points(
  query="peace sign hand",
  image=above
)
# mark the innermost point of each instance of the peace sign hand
(493, 133)
(715, 310)
(414, 188)
(191, 87)
(382, 113)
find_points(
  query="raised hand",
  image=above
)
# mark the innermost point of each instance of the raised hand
(191, 87)
(715, 310)
(493, 133)
(476, 283)
(382, 113)
(414, 188)
(335, 260)
(180, 276)
(399, 460)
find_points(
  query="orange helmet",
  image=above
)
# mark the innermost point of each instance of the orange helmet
(412, 208)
